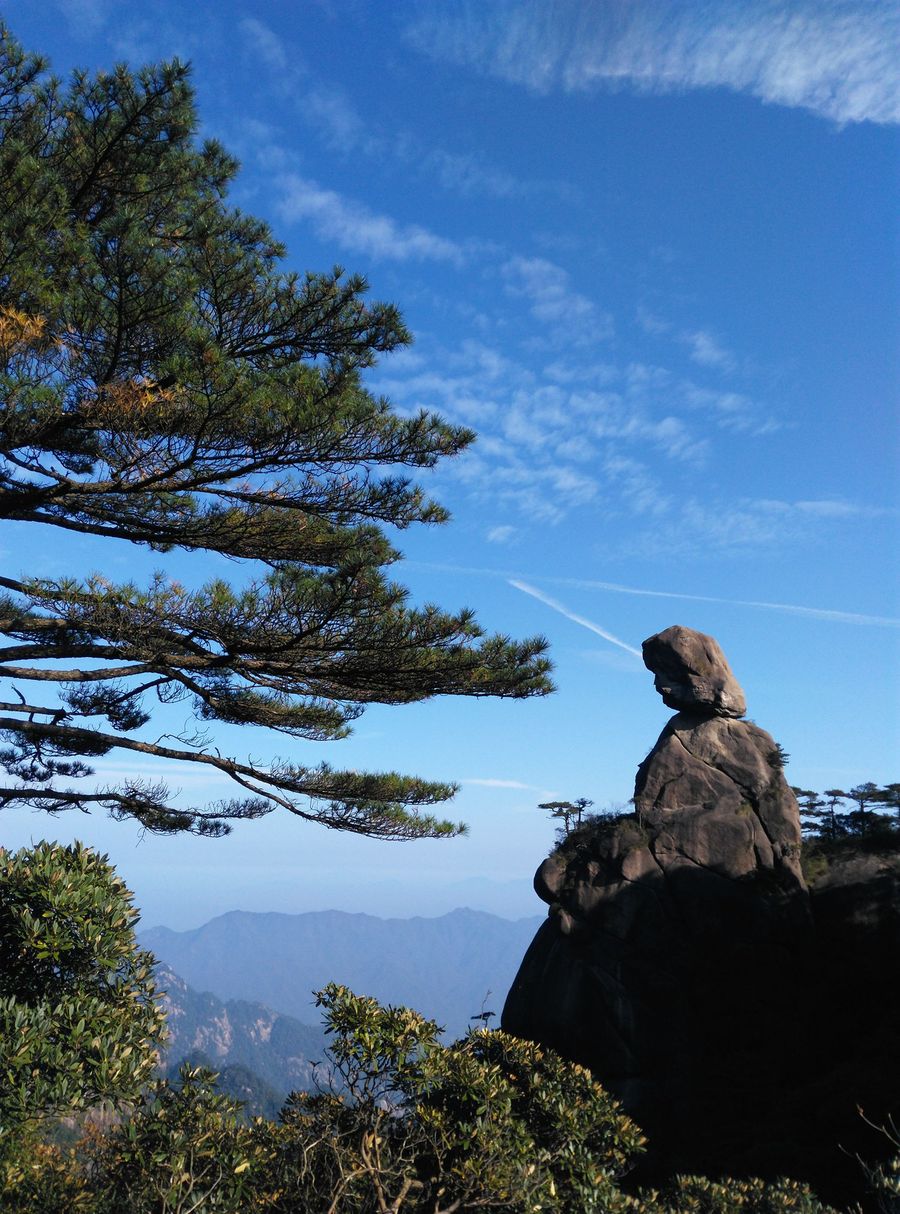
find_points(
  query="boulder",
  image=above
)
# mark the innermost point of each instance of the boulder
(692, 673)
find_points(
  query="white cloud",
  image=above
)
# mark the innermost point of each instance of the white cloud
(470, 175)
(501, 535)
(650, 322)
(548, 448)
(269, 47)
(542, 491)
(327, 109)
(596, 374)
(637, 487)
(650, 387)
(353, 226)
(86, 16)
(837, 58)
(554, 302)
(755, 522)
(836, 509)
(330, 112)
(705, 349)
(817, 613)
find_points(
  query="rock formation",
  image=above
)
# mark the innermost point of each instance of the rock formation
(692, 673)
(679, 957)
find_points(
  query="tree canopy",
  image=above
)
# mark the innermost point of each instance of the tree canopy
(827, 817)
(164, 381)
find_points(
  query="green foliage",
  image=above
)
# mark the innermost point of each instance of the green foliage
(411, 1125)
(697, 1195)
(235, 1080)
(590, 838)
(78, 1020)
(778, 758)
(184, 1149)
(489, 1122)
(42, 1179)
(164, 381)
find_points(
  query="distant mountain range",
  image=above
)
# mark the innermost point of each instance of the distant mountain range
(449, 968)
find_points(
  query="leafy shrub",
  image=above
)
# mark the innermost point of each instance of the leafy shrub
(489, 1122)
(185, 1149)
(78, 1020)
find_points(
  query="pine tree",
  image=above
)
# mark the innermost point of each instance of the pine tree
(813, 811)
(889, 796)
(837, 824)
(865, 818)
(164, 381)
(568, 812)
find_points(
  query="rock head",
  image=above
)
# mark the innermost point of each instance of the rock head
(692, 673)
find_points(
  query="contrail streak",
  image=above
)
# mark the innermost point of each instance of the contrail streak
(570, 615)
(810, 613)
(818, 613)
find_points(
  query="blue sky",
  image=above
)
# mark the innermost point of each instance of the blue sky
(649, 252)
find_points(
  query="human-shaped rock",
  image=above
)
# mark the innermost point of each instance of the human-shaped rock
(672, 932)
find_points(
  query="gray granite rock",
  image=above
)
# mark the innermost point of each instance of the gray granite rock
(692, 673)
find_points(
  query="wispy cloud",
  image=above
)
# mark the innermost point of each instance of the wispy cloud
(704, 348)
(492, 783)
(330, 113)
(555, 438)
(815, 613)
(269, 47)
(500, 535)
(353, 226)
(571, 615)
(467, 174)
(743, 523)
(554, 302)
(650, 322)
(837, 58)
(86, 15)
(649, 386)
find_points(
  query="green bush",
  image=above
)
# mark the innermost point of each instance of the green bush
(79, 1024)
(490, 1122)
(185, 1149)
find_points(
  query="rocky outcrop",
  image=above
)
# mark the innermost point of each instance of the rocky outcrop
(285, 1053)
(679, 957)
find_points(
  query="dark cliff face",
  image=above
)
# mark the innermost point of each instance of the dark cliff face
(682, 960)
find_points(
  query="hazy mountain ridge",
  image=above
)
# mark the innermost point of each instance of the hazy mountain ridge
(236, 1033)
(443, 967)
